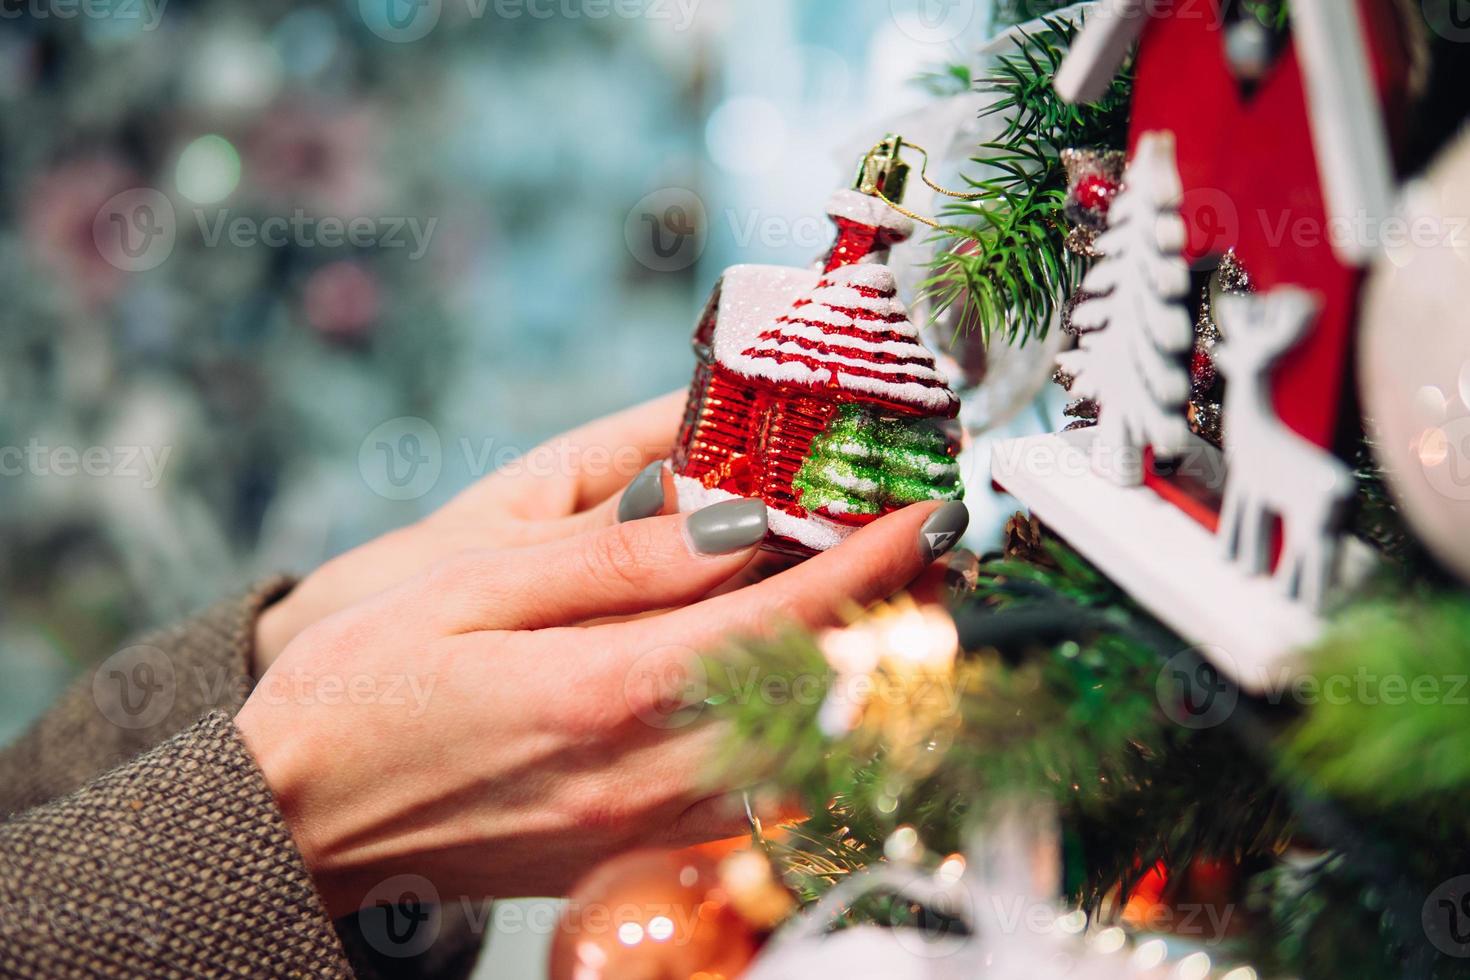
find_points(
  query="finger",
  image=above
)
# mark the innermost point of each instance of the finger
(669, 774)
(764, 565)
(581, 468)
(713, 818)
(728, 815)
(876, 562)
(650, 494)
(617, 570)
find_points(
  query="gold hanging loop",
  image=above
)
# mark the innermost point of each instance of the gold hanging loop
(891, 146)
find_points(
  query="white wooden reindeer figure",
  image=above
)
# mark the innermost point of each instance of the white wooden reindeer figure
(1272, 470)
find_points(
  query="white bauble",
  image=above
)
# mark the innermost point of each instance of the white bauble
(1415, 357)
(864, 953)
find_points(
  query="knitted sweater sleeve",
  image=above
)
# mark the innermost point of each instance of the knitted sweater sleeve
(178, 861)
(136, 699)
(177, 864)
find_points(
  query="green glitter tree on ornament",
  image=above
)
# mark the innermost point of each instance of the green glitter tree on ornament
(865, 465)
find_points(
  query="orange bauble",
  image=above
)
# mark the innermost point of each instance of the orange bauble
(652, 915)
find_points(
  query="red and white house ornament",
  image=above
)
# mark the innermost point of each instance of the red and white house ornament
(1239, 552)
(783, 354)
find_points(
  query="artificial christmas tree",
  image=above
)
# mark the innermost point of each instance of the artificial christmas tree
(1173, 664)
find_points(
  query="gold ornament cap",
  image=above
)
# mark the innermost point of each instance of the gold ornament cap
(882, 172)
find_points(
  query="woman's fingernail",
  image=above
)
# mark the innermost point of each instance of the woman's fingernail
(942, 531)
(726, 527)
(645, 495)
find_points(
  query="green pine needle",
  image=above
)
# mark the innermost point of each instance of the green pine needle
(1014, 269)
(1076, 720)
(1388, 710)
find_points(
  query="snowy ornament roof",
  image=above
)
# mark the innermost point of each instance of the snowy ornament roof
(850, 332)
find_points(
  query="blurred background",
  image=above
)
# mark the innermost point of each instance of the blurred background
(279, 276)
(243, 247)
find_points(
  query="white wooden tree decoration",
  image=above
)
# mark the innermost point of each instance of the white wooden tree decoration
(1130, 360)
(1273, 472)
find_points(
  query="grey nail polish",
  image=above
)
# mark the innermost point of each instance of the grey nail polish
(726, 527)
(644, 496)
(942, 531)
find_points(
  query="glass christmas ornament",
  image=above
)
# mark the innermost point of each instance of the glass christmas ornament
(813, 390)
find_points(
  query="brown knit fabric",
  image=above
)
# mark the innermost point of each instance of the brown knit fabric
(176, 865)
(202, 665)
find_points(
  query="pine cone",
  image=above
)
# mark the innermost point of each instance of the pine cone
(1024, 540)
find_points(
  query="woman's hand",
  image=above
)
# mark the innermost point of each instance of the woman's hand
(562, 487)
(461, 728)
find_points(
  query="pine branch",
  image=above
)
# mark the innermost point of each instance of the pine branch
(1008, 256)
(1275, 14)
(1070, 713)
(1058, 697)
(1400, 671)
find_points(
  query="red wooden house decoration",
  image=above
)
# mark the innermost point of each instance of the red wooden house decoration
(779, 350)
(1293, 170)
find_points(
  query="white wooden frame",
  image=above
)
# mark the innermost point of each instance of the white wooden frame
(1165, 560)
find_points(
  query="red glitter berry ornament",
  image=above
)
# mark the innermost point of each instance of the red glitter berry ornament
(1202, 370)
(1094, 178)
(1095, 193)
(813, 390)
